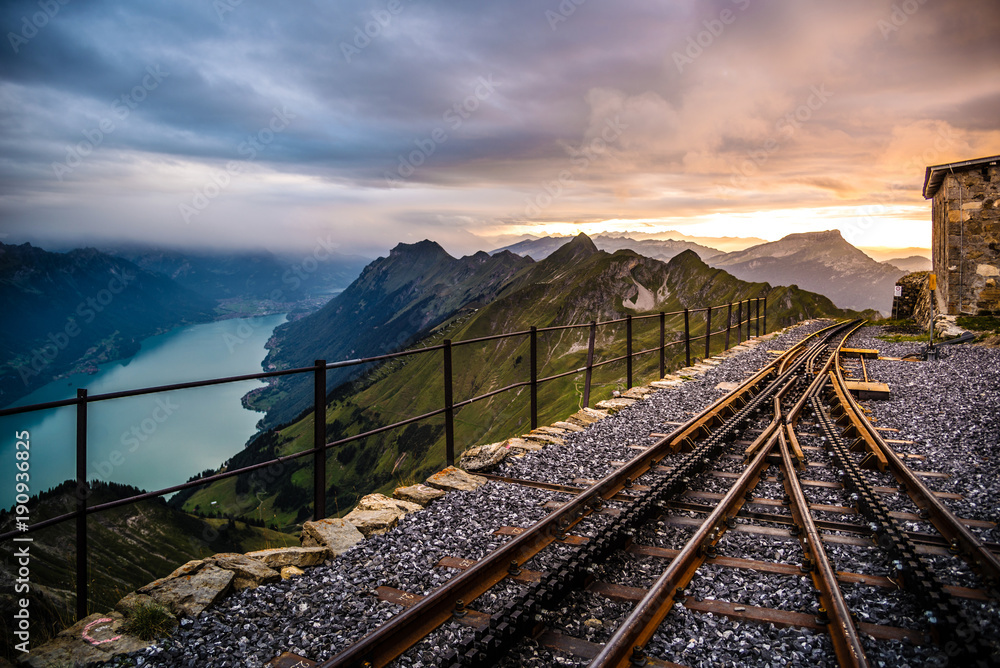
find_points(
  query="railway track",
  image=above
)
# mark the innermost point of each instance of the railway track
(787, 458)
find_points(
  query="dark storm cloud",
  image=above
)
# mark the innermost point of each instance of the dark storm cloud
(396, 111)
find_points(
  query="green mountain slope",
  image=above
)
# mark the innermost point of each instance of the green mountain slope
(576, 284)
(391, 303)
(73, 310)
(130, 546)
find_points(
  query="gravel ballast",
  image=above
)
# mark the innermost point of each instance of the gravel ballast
(947, 407)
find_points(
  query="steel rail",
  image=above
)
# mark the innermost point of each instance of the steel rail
(844, 635)
(402, 631)
(625, 646)
(636, 631)
(945, 521)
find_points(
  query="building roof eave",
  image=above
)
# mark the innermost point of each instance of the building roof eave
(934, 175)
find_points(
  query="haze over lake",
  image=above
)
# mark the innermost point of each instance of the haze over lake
(151, 441)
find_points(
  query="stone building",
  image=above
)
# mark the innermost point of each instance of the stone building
(965, 216)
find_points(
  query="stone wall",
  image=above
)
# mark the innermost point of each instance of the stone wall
(912, 286)
(966, 239)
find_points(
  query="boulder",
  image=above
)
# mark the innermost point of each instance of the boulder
(419, 494)
(519, 446)
(568, 426)
(616, 404)
(249, 573)
(483, 456)
(544, 438)
(191, 588)
(334, 533)
(453, 479)
(97, 638)
(279, 557)
(383, 502)
(373, 522)
(586, 416)
(638, 392)
(552, 431)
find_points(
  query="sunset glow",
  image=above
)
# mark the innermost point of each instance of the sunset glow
(211, 124)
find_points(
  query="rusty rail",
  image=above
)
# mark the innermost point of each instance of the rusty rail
(402, 631)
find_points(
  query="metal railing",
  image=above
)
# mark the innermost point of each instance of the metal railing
(755, 317)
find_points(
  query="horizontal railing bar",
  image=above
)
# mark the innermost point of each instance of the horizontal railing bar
(466, 402)
(388, 427)
(311, 369)
(490, 338)
(196, 383)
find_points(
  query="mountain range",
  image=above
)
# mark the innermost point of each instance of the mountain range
(575, 284)
(822, 262)
(910, 264)
(87, 307)
(254, 275)
(72, 311)
(392, 303)
(660, 249)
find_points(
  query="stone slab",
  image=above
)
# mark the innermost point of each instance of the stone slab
(454, 479)
(334, 533)
(383, 502)
(303, 557)
(482, 457)
(420, 494)
(191, 589)
(568, 426)
(373, 522)
(616, 404)
(249, 573)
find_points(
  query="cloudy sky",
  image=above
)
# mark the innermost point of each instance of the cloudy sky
(253, 123)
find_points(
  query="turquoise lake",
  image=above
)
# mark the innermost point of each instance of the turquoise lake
(151, 441)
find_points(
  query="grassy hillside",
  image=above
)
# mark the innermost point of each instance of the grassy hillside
(129, 547)
(575, 285)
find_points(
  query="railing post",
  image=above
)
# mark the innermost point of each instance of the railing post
(628, 352)
(319, 440)
(533, 358)
(749, 317)
(765, 314)
(729, 322)
(663, 344)
(739, 322)
(82, 492)
(708, 332)
(590, 363)
(757, 319)
(687, 339)
(449, 410)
